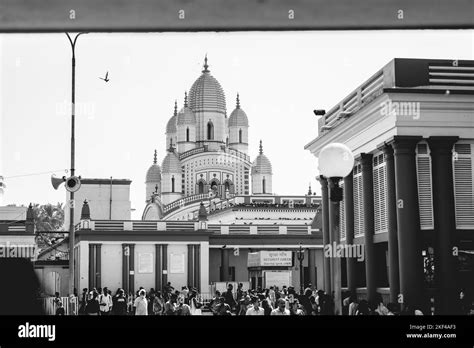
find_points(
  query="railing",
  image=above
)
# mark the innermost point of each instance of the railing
(191, 152)
(202, 149)
(51, 304)
(363, 95)
(185, 201)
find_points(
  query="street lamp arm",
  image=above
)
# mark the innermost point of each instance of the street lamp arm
(73, 43)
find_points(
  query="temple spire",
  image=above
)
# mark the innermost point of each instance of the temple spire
(175, 107)
(261, 148)
(309, 190)
(205, 65)
(155, 157)
(238, 101)
(185, 99)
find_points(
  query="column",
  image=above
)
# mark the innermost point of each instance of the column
(125, 267)
(158, 268)
(393, 270)
(408, 221)
(311, 268)
(91, 266)
(204, 267)
(190, 265)
(224, 265)
(334, 239)
(131, 275)
(197, 267)
(444, 222)
(164, 253)
(369, 224)
(349, 225)
(98, 265)
(325, 215)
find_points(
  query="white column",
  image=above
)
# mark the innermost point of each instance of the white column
(205, 267)
(83, 266)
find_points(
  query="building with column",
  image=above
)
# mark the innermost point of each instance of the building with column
(409, 198)
(201, 253)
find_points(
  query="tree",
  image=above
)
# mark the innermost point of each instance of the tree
(48, 218)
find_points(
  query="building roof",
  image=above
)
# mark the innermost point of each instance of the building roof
(171, 163)
(206, 93)
(186, 115)
(154, 172)
(238, 117)
(262, 164)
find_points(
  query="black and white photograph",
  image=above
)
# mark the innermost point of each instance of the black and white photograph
(317, 173)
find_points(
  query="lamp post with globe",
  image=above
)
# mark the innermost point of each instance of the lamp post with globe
(335, 162)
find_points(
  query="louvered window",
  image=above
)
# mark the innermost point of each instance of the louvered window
(463, 171)
(380, 193)
(358, 208)
(425, 192)
(342, 218)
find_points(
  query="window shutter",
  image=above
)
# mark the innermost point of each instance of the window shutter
(342, 218)
(358, 213)
(425, 192)
(463, 188)
(380, 196)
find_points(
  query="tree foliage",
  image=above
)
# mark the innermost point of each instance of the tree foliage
(48, 218)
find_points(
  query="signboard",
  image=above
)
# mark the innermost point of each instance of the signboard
(145, 263)
(277, 278)
(270, 259)
(176, 263)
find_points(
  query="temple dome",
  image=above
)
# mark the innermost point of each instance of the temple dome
(171, 163)
(206, 93)
(186, 115)
(262, 164)
(238, 117)
(154, 172)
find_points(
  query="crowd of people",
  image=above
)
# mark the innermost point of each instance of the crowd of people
(269, 301)
(100, 301)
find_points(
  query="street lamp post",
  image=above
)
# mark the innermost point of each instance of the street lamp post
(73, 152)
(300, 255)
(335, 162)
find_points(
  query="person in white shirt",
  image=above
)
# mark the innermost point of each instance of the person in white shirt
(255, 309)
(281, 310)
(141, 303)
(105, 302)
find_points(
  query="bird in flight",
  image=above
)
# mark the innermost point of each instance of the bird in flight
(106, 77)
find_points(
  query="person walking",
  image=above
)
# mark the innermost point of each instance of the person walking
(105, 302)
(281, 309)
(119, 306)
(92, 307)
(170, 306)
(183, 308)
(158, 304)
(255, 309)
(229, 297)
(141, 303)
(194, 303)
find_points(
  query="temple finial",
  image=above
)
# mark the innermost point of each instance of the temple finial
(261, 148)
(171, 149)
(155, 157)
(238, 101)
(185, 99)
(175, 107)
(205, 64)
(309, 190)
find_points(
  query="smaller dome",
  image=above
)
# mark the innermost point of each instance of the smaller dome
(171, 163)
(154, 172)
(238, 117)
(171, 126)
(186, 115)
(262, 164)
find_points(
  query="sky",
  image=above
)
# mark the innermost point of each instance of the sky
(280, 76)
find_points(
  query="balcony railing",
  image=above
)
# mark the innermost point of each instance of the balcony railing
(204, 148)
